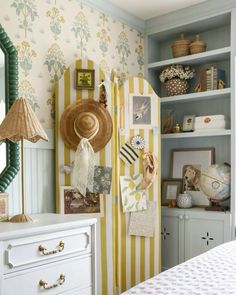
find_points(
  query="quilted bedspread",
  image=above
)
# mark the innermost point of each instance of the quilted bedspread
(211, 273)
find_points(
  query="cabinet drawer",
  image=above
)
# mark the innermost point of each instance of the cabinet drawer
(38, 249)
(77, 275)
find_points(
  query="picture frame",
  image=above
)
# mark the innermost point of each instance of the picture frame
(72, 202)
(188, 123)
(84, 79)
(170, 189)
(3, 206)
(141, 111)
(187, 163)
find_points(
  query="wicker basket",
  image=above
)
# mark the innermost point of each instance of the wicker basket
(176, 86)
(181, 47)
(197, 46)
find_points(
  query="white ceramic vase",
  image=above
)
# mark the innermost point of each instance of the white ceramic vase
(184, 201)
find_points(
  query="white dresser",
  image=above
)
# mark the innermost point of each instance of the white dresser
(56, 254)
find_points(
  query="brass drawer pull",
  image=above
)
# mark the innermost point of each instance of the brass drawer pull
(60, 282)
(60, 248)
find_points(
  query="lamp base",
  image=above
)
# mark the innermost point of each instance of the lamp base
(21, 218)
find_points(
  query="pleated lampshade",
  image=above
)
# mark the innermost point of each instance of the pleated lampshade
(21, 123)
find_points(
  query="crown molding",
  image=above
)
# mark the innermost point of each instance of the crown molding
(117, 13)
(189, 14)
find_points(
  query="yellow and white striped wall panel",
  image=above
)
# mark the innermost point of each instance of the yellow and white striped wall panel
(65, 95)
(138, 257)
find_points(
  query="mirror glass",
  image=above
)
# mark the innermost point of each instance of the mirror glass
(3, 151)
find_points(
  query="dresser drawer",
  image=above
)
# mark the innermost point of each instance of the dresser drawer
(20, 253)
(69, 274)
(86, 291)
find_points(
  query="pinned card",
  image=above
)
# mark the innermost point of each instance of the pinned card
(133, 197)
(128, 154)
(142, 223)
(102, 180)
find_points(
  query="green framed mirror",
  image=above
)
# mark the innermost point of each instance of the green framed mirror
(9, 152)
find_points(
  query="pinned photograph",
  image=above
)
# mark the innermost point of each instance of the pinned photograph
(141, 111)
(72, 202)
(191, 177)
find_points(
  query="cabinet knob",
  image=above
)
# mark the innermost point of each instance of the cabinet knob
(186, 217)
(181, 217)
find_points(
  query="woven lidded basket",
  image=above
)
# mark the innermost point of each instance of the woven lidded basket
(197, 46)
(181, 47)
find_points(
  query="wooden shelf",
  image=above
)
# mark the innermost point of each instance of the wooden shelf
(196, 134)
(200, 58)
(197, 96)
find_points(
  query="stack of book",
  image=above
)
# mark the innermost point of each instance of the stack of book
(211, 78)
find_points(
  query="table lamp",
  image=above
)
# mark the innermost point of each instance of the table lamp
(21, 123)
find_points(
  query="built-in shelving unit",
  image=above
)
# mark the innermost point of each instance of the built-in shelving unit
(218, 31)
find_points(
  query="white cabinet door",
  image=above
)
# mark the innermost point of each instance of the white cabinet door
(204, 231)
(172, 235)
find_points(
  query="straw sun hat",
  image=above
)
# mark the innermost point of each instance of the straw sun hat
(86, 118)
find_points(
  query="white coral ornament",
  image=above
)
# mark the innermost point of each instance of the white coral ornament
(138, 142)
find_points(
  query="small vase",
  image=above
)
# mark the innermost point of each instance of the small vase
(176, 86)
(184, 201)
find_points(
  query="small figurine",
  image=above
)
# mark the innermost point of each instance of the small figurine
(172, 203)
(221, 84)
(167, 123)
(198, 88)
(103, 95)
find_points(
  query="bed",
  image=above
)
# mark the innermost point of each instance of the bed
(211, 273)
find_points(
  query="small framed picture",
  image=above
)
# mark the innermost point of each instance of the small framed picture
(170, 189)
(141, 111)
(3, 206)
(84, 79)
(188, 123)
(72, 202)
(188, 163)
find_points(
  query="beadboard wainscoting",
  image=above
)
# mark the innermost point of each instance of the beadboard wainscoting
(39, 178)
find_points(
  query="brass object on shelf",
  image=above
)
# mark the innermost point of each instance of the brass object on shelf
(60, 282)
(176, 128)
(44, 251)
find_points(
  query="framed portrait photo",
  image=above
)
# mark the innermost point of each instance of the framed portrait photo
(72, 202)
(3, 206)
(141, 111)
(188, 123)
(84, 79)
(188, 164)
(170, 189)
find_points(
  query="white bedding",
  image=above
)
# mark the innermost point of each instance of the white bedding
(212, 273)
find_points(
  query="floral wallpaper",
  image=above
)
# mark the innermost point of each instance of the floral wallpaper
(50, 34)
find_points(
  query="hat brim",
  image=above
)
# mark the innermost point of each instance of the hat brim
(86, 105)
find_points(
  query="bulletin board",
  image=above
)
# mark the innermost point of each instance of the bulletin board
(122, 260)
